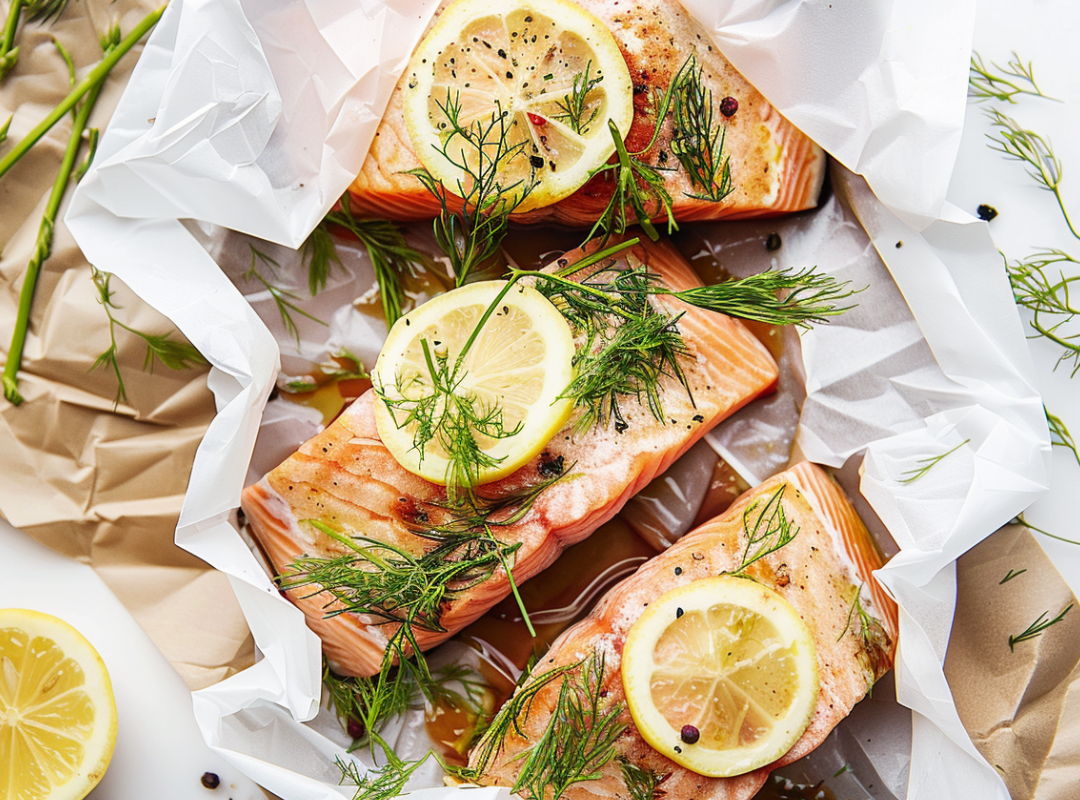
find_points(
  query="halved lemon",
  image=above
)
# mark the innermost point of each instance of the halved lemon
(721, 675)
(517, 367)
(57, 712)
(505, 71)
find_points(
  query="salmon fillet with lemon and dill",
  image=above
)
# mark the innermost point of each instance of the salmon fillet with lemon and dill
(346, 483)
(707, 682)
(527, 62)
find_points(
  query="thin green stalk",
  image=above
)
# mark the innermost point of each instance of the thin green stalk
(9, 54)
(44, 247)
(94, 77)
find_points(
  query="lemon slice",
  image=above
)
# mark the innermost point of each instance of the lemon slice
(721, 675)
(518, 365)
(487, 58)
(57, 712)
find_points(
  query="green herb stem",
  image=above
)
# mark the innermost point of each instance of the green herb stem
(8, 53)
(43, 247)
(1037, 627)
(95, 77)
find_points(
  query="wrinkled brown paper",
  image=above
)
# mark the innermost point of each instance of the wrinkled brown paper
(99, 481)
(1020, 705)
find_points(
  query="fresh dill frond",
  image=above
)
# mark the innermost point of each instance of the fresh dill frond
(696, 142)
(481, 149)
(392, 585)
(1015, 78)
(331, 369)
(1020, 144)
(927, 464)
(1019, 520)
(283, 298)
(578, 742)
(173, 353)
(776, 297)
(766, 532)
(1038, 626)
(384, 782)
(390, 255)
(870, 632)
(573, 106)
(640, 783)
(629, 345)
(1010, 575)
(1048, 298)
(638, 194)
(443, 414)
(1059, 434)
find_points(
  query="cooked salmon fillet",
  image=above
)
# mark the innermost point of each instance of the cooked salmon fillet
(819, 572)
(775, 168)
(346, 479)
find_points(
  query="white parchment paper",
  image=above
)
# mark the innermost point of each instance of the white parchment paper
(256, 116)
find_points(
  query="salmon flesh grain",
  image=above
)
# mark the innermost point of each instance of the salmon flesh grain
(345, 480)
(821, 571)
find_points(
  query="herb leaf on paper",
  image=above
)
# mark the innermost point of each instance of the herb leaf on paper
(173, 353)
(1038, 627)
(1003, 84)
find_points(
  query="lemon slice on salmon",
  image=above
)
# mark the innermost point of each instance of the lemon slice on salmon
(522, 89)
(721, 675)
(475, 419)
(57, 712)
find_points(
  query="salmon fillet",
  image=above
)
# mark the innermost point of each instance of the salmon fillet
(346, 479)
(775, 168)
(819, 572)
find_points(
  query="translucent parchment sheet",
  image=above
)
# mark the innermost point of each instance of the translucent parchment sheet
(231, 146)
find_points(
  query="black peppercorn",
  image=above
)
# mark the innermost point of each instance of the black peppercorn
(210, 780)
(690, 734)
(772, 244)
(986, 213)
(728, 106)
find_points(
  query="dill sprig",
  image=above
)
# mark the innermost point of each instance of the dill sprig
(1010, 575)
(283, 298)
(173, 353)
(1015, 78)
(577, 743)
(1036, 290)
(776, 297)
(1038, 626)
(638, 194)
(870, 632)
(440, 412)
(641, 783)
(391, 584)
(333, 370)
(384, 782)
(767, 532)
(579, 740)
(1019, 520)
(481, 149)
(927, 464)
(696, 142)
(391, 257)
(573, 106)
(1059, 434)
(629, 345)
(1020, 144)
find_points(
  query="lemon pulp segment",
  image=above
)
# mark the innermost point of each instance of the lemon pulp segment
(57, 712)
(519, 364)
(506, 70)
(721, 675)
